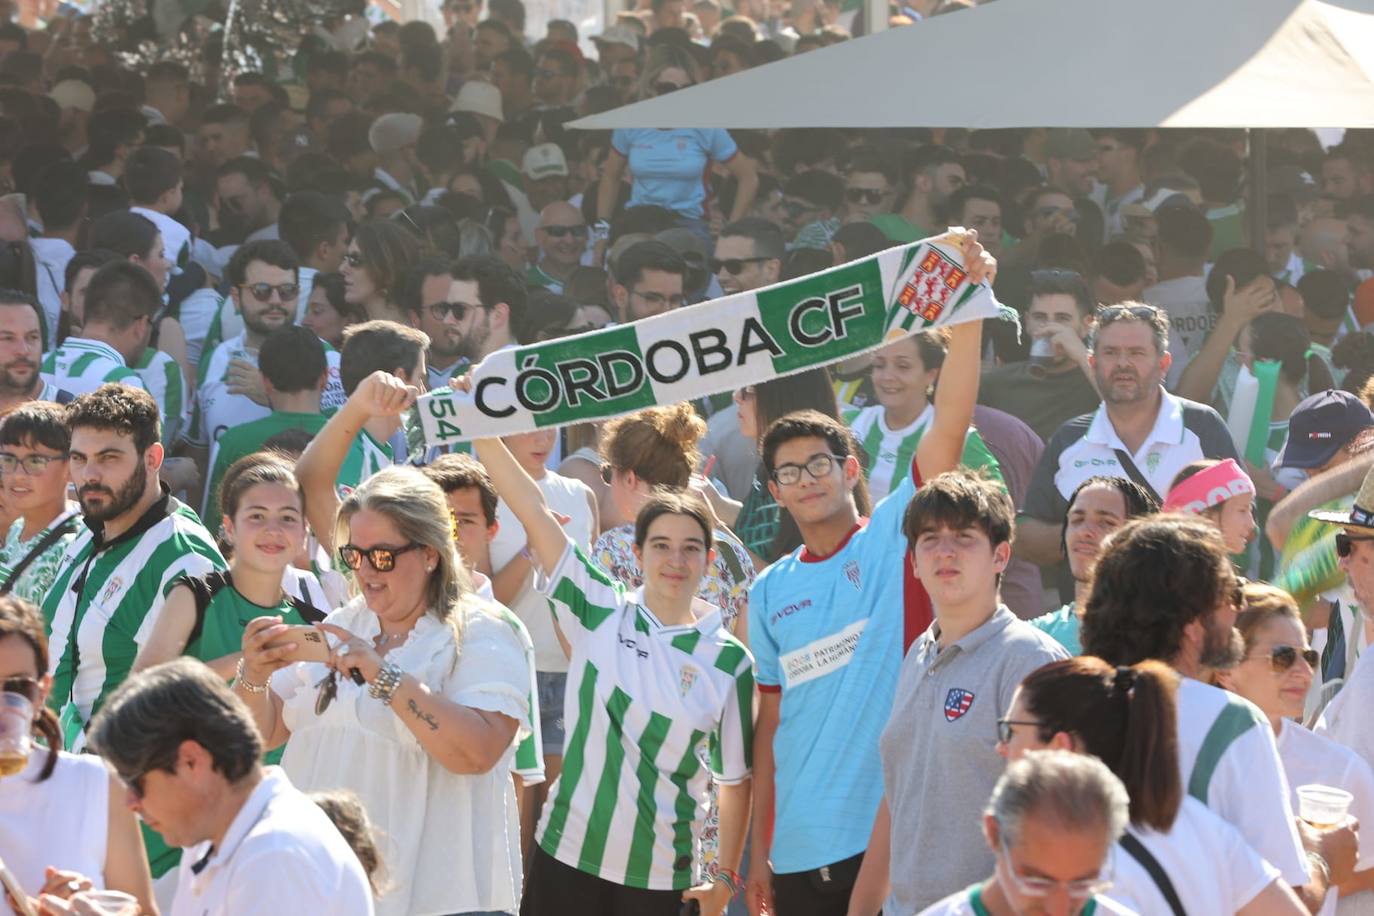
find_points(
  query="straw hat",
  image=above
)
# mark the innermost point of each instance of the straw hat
(1361, 515)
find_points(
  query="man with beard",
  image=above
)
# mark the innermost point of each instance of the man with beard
(933, 174)
(21, 346)
(263, 285)
(487, 301)
(1139, 431)
(1164, 589)
(425, 295)
(137, 541)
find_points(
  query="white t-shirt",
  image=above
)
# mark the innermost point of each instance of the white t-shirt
(1311, 758)
(1247, 786)
(1212, 868)
(60, 821)
(1190, 319)
(969, 902)
(1346, 719)
(281, 850)
(566, 496)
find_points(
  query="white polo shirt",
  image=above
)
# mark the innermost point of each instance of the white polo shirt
(281, 852)
(1085, 446)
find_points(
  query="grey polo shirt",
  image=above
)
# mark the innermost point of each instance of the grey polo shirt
(939, 753)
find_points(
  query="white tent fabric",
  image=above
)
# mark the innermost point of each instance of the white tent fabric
(1060, 63)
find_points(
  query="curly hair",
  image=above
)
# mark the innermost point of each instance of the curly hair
(1134, 612)
(127, 410)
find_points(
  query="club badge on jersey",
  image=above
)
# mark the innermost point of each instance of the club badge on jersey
(851, 572)
(957, 703)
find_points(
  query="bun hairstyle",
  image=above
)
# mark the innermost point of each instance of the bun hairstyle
(1126, 717)
(659, 444)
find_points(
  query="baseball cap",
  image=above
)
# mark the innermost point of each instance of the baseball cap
(1070, 143)
(1293, 181)
(619, 35)
(479, 98)
(1321, 425)
(545, 161)
(73, 94)
(394, 131)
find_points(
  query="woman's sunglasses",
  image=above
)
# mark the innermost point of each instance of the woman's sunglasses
(26, 687)
(1346, 543)
(382, 559)
(1285, 657)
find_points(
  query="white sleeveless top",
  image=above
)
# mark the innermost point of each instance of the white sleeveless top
(566, 496)
(62, 821)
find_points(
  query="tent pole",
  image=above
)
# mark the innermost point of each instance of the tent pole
(875, 15)
(1257, 208)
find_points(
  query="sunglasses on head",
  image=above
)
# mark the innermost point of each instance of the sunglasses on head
(1285, 657)
(382, 559)
(1345, 543)
(1117, 312)
(558, 232)
(732, 266)
(287, 292)
(863, 195)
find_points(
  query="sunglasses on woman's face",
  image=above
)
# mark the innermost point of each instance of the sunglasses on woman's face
(26, 687)
(1285, 657)
(382, 559)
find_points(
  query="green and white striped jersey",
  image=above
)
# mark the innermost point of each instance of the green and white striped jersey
(161, 375)
(890, 450)
(80, 365)
(643, 699)
(365, 457)
(529, 753)
(108, 597)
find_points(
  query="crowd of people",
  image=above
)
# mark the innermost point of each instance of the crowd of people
(1057, 612)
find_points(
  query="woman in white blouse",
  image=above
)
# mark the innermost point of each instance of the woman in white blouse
(417, 710)
(1275, 675)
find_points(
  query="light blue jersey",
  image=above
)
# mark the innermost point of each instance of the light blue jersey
(1064, 626)
(828, 633)
(668, 167)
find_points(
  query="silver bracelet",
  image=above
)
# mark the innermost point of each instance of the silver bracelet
(385, 684)
(247, 684)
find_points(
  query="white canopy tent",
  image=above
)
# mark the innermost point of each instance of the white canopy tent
(1060, 63)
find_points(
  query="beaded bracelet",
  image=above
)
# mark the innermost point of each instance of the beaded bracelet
(385, 684)
(731, 879)
(248, 685)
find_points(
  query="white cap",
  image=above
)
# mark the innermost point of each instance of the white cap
(73, 94)
(479, 98)
(545, 161)
(394, 131)
(619, 35)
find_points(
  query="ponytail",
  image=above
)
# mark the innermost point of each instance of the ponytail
(46, 726)
(1147, 764)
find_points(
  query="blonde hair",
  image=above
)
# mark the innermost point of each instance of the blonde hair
(417, 507)
(659, 444)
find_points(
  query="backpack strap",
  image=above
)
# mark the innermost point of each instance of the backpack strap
(52, 537)
(1131, 843)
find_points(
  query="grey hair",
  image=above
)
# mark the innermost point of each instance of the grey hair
(417, 507)
(1074, 791)
(144, 722)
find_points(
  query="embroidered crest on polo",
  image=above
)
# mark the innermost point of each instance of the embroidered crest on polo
(686, 679)
(851, 572)
(957, 702)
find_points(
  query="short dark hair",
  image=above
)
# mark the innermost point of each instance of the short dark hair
(15, 297)
(309, 219)
(496, 282)
(1184, 231)
(952, 212)
(124, 409)
(292, 359)
(320, 100)
(859, 240)
(805, 424)
(872, 161)
(61, 195)
(1119, 263)
(463, 472)
(1325, 292)
(269, 251)
(110, 129)
(961, 499)
(409, 295)
(95, 258)
(332, 62)
(647, 255)
(378, 344)
(567, 62)
(125, 233)
(1134, 137)
(766, 236)
(37, 423)
(1137, 499)
(144, 722)
(150, 172)
(1243, 265)
(1133, 612)
(825, 189)
(121, 293)
(224, 113)
(1057, 282)
(162, 135)
(255, 172)
(517, 60)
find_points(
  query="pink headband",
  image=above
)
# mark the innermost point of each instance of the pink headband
(1209, 488)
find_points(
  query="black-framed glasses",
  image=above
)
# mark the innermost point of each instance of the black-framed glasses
(262, 292)
(1345, 543)
(863, 195)
(665, 88)
(32, 464)
(26, 687)
(382, 559)
(558, 232)
(459, 310)
(1281, 658)
(1004, 728)
(732, 266)
(818, 466)
(354, 259)
(607, 474)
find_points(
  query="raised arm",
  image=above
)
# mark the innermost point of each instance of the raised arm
(380, 394)
(544, 535)
(942, 446)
